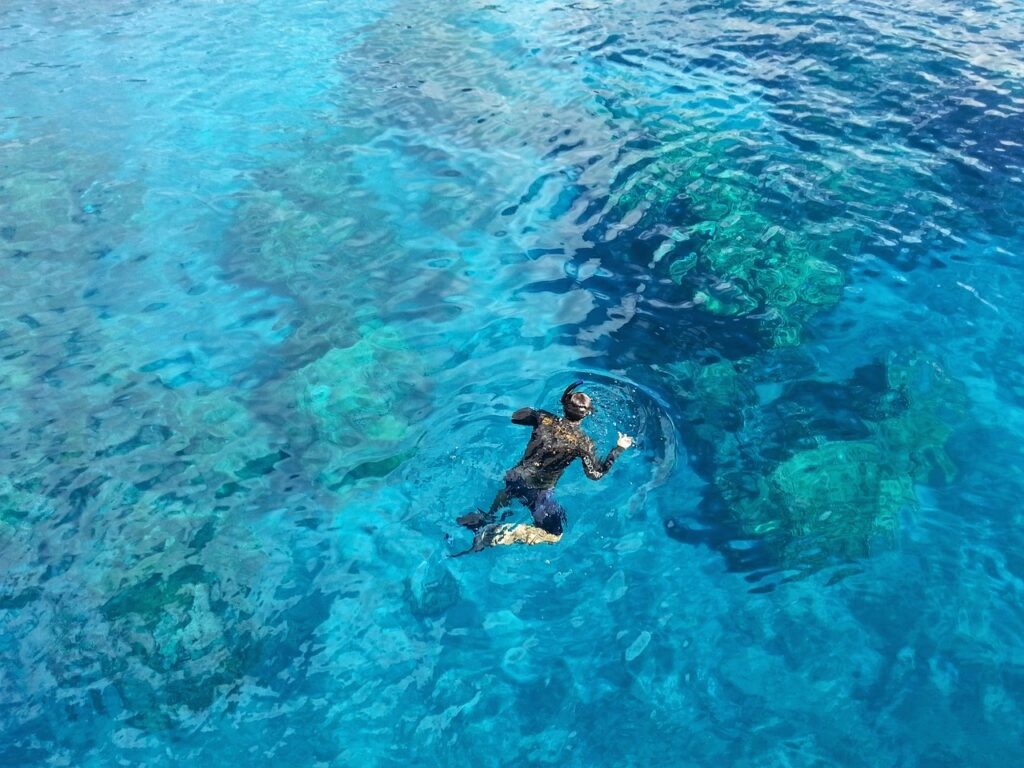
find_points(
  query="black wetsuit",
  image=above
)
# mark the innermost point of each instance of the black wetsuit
(555, 443)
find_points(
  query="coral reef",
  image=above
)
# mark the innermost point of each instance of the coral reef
(820, 473)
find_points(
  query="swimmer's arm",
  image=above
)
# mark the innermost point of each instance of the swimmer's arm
(592, 466)
(526, 416)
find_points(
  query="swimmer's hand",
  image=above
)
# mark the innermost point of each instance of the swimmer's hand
(625, 441)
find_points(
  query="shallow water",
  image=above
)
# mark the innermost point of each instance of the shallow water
(276, 273)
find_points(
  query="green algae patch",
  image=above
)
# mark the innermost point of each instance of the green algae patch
(715, 394)
(39, 208)
(178, 627)
(349, 392)
(837, 500)
(356, 399)
(18, 504)
(925, 404)
(751, 264)
(724, 239)
(229, 450)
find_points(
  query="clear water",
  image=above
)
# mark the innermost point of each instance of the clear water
(276, 272)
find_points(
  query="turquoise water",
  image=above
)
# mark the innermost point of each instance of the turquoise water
(276, 273)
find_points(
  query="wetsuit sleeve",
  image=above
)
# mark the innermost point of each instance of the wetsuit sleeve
(526, 416)
(594, 468)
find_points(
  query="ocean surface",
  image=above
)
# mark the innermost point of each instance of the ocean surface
(275, 273)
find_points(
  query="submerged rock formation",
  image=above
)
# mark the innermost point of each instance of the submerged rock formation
(815, 473)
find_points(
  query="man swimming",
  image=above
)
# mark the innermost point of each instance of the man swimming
(554, 444)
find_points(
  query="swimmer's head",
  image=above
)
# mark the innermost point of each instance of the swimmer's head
(576, 405)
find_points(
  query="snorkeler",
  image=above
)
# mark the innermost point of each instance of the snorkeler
(554, 444)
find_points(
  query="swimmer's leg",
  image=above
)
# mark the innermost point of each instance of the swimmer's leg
(548, 514)
(477, 520)
(503, 499)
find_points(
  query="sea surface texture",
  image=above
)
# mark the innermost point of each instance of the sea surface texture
(275, 273)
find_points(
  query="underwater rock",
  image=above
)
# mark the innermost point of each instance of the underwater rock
(286, 237)
(355, 398)
(346, 392)
(715, 393)
(718, 239)
(431, 590)
(522, 666)
(39, 207)
(780, 229)
(638, 646)
(18, 504)
(176, 627)
(214, 446)
(502, 624)
(714, 398)
(837, 500)
(924, 404)
(821, 472)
